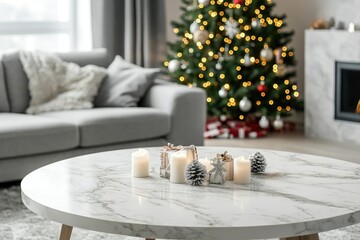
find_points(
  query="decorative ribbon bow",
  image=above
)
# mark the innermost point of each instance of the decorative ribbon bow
(171, 146)
(226, 157)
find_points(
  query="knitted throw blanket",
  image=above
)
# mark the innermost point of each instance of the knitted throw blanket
(56, 85)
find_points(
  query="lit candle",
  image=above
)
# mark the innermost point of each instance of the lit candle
(140, 163)
(242, 170)
(178, 164)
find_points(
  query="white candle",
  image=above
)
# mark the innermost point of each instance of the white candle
(242, 170)
(140, 163)
(178, 164)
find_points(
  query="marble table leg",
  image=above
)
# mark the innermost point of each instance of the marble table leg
(307, 237)
(65, 233)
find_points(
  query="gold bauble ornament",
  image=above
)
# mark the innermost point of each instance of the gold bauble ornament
(201, 36)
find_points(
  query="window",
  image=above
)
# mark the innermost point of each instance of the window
(50, 25)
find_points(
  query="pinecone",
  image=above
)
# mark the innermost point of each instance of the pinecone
(195, 173)
(258, 162)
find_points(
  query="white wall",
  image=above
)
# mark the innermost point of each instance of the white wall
(300, 14)
(173, 12)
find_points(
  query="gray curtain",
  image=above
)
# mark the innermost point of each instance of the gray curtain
(133, 29)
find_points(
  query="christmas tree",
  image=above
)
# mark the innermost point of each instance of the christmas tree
(237, 50)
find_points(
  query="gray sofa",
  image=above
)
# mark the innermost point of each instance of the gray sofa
(168, 113)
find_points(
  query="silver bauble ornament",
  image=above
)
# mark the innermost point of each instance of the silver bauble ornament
(204, 2)
(266, 54)
(201, 36)
(174, 65)
(278, 123)
(218, 66)
(223, 93)
(194, 27)
(247, 59)
(223, 118)
(245, 104)
(264, 122)
(255, 23)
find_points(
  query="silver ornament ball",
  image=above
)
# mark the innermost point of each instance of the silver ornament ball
(218, 66)
(204, 2)
(183, 66)
(264, 122)
(255, 23)
(245, 104)
(194, 27)
(174, 65)
(266, 54)
(223, 93)
(223, 118)
(278, 123)
(247, 60)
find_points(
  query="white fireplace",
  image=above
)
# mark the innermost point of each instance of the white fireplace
(326, 53)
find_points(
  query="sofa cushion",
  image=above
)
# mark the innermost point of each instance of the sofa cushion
(16, 82)
(22, 135)
(125, 84)
(4, 103)
(100, 126)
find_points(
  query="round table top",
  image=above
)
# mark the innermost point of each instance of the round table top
(298, 195)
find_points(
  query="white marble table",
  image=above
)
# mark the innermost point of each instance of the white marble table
(300, 195)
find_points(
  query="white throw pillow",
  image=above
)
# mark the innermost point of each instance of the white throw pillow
(56, 85)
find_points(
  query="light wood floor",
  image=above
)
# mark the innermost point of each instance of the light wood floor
(294, 142)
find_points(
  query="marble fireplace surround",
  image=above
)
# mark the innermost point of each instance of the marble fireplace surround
(322, 49)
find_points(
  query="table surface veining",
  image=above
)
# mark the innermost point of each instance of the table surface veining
(298, 195)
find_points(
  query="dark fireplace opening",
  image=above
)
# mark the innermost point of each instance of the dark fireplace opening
(347, 91)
